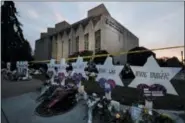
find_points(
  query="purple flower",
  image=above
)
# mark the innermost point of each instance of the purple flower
(102, 82)
(74, 77)
(78, 77)
(107, 90)
(158, 87)
(142, 86)
(77, 81)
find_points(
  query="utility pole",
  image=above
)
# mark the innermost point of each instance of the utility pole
(182, 56)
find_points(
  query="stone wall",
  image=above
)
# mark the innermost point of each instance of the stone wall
(117, 40)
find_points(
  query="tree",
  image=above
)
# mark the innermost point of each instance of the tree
(162, 62)
(14, 46)
(27, 51)
(100, 60)
(81, 53)
(139, 59)
(173, 62)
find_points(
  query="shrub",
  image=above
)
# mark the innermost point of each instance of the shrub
(81, 53)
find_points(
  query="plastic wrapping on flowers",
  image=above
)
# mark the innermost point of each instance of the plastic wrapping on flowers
(50, 73)
(61, 76)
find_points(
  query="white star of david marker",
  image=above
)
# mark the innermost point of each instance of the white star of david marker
(110, 71)
(62, 67)
(51, 65)
(79, 66)
(152, 73)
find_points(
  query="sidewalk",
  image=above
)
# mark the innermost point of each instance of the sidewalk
(20, 109)
(174, 116)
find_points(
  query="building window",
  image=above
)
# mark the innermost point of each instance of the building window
(77, 43)
(69, 46)
(62, 49)
(119, 37)
(98, 40)
(86, 41)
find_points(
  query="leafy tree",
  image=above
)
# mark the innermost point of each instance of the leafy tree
(100, 60)
(162, 62)
(139, 59)
(174, 62)
(82, 53)
(14, 46)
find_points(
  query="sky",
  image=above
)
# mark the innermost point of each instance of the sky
(156, 24)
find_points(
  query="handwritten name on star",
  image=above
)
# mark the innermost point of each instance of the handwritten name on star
(109, 71)
(152, 75)
(78, 66)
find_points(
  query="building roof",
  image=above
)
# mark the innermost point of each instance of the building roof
(100, 9)
(94, 15)
(83, 22)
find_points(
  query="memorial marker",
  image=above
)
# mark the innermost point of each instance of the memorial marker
(51, 70)
(62, 73)
(108, 76)
(78, 72)
(151, 73)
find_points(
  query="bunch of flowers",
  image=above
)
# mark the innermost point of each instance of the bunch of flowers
(61, 76)
(77, 77)
(50, 73)
(107, 85)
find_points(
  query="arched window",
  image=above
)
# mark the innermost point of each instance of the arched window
(86, 41)
(98, 40)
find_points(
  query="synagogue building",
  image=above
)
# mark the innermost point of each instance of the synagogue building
(98, 31)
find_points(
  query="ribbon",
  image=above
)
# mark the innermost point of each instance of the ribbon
(112, 83)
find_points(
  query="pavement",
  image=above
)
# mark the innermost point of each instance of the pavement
(11, 89)
(14, 88)
(174, 115)
(21, 109)
(18, 106)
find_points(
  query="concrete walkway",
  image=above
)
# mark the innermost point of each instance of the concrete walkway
(13, 88)
(20, 109)
(18, 105)
(174, 116)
